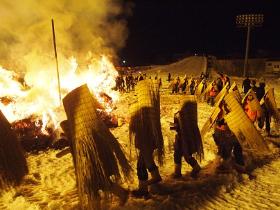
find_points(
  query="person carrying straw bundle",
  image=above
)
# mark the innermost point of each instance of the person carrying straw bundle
(145, 132)
(97, 155)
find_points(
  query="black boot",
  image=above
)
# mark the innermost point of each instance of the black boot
(142, 190)
(195, 167)
(177, 171)
(155, 177)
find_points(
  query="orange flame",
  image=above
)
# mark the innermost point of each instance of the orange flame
(40, 97)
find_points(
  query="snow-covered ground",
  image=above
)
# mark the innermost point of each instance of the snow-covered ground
(51, 183)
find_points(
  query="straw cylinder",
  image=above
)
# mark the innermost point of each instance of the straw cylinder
(144, 126)
(212, 119)
(234, 89)
(13, 164)
(205, 93)
(242, 127)
(210, 122)
(199, 88)
(97, 154)
(221, 93)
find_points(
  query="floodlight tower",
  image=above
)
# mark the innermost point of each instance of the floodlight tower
(248, 21)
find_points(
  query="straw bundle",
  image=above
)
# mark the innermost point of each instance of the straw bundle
(242, 127)
(235, 91)
(212, 119)
(270, 103)
(205, 94)
(199, 89)
(191, 138)
(13, 164)
(210, 122)
(144, 126)
(221, 93)
(96, 152)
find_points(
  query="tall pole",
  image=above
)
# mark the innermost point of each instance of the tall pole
(248, 21)
(246, 52)
(55, 53)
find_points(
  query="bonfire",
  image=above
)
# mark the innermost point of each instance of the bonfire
(35, 111)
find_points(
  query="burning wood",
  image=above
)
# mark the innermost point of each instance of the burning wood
(33, 136)
(6, 100)
(25, 103)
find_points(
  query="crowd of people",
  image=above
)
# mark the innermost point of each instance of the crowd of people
(145, 124)
(127, 83)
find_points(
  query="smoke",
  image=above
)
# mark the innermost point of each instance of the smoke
(84, 29)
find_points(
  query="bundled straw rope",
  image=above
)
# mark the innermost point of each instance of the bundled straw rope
(242, 126)
(205, 94)
(189, 129)
(212, 119)
(221, 93)
(144, 126)
(13, 164)
(234, 89)
(199, 88)
(97, 154)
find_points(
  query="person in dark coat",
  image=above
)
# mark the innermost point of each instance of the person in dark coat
(169, 77)
(246, 85)
(219, 83)
(253, 86)
(192, 86)
(265, 120)
(187, 140)
(260, 90)
(141, 77)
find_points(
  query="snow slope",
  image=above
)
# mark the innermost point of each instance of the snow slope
(192, 66)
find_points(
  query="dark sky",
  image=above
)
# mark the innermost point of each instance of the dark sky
(161, 30)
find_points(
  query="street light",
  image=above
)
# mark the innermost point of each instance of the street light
(248, 21)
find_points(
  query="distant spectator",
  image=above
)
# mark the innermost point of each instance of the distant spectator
(141, 77)
(192, 86)
(184, 85)
(219, 84)
(260, 90)
(169, 77)
(213, 93)
(227, 80)
(160, 82)
(253, 86)
(246, 85)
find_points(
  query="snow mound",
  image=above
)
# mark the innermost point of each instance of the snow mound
(193, 65)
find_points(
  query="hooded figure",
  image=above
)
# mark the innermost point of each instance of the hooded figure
(145, 131)
(188, 139)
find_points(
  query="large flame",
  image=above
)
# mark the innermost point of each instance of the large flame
(38, 93)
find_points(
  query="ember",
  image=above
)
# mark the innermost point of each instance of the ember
(30, 134)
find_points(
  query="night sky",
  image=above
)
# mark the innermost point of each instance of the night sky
(161, 31)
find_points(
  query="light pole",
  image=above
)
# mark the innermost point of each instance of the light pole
(248, 21)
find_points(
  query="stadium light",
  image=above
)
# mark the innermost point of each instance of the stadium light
(248, 21)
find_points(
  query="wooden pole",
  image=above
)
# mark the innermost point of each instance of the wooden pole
(55, 53)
